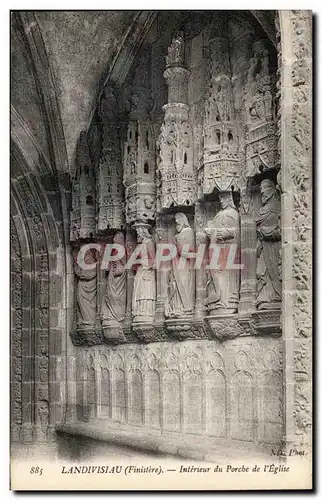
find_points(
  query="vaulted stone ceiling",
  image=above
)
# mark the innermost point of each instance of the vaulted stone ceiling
(65, 57)
(80, 48)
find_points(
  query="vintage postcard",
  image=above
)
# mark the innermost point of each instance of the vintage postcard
(161, 250)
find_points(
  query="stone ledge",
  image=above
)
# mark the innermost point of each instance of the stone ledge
(219, 327)
(194, 447)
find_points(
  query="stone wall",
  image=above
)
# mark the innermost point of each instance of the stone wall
(231, 390)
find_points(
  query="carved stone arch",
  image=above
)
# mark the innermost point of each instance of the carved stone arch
(128, 50)
(21, 396)
(27, 24)
(153, 398)
(242, 406)
(42, 267)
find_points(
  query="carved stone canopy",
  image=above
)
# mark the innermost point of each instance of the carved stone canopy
(83, 216)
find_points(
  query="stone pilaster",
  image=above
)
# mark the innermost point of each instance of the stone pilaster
(248, 241)
(201, 279)
(295, 59)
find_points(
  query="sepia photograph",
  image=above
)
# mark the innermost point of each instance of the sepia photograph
(161, 250)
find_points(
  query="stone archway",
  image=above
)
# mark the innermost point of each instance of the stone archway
(38, 312)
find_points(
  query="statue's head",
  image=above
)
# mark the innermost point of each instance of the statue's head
(226, 199)
(268, 189)
(142, 233)
(181, 222)
(90, 256)
(119, 238)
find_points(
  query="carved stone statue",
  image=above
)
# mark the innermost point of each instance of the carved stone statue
(181, 290)
(144, 289)
(223, 282)
(114, 300)
(86, 293)
(258, 84)
(175, 52)
(269, 286)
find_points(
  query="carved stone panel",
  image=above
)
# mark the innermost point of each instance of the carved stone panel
(136, 408)
(144, 287)
(106, 395)
(242, 407)
(153, 400)
(172, 391)
(119, 407)
(216, 390)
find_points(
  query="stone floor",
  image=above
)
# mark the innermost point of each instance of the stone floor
(125, 439)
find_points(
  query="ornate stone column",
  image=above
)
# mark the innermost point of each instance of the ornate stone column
(83, 217)
(110, 191)
(201, 239)
(241, 38)
(177, 177)
(248, 241)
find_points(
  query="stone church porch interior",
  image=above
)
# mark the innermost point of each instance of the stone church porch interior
(183, 127)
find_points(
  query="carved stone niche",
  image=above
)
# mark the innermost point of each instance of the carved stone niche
(223, 327)
(223, 273)
(113, 300)
(144, 286)
(176, 186)
(268, 251)
(261, 129)
(85, 292)
(221, 158)
(82, 216)
(181, 284)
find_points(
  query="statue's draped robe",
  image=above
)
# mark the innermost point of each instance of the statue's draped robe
(144, 288)
(223, 283)
(114, 300)
(269, 286)
(86, 294)
(181, 299)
